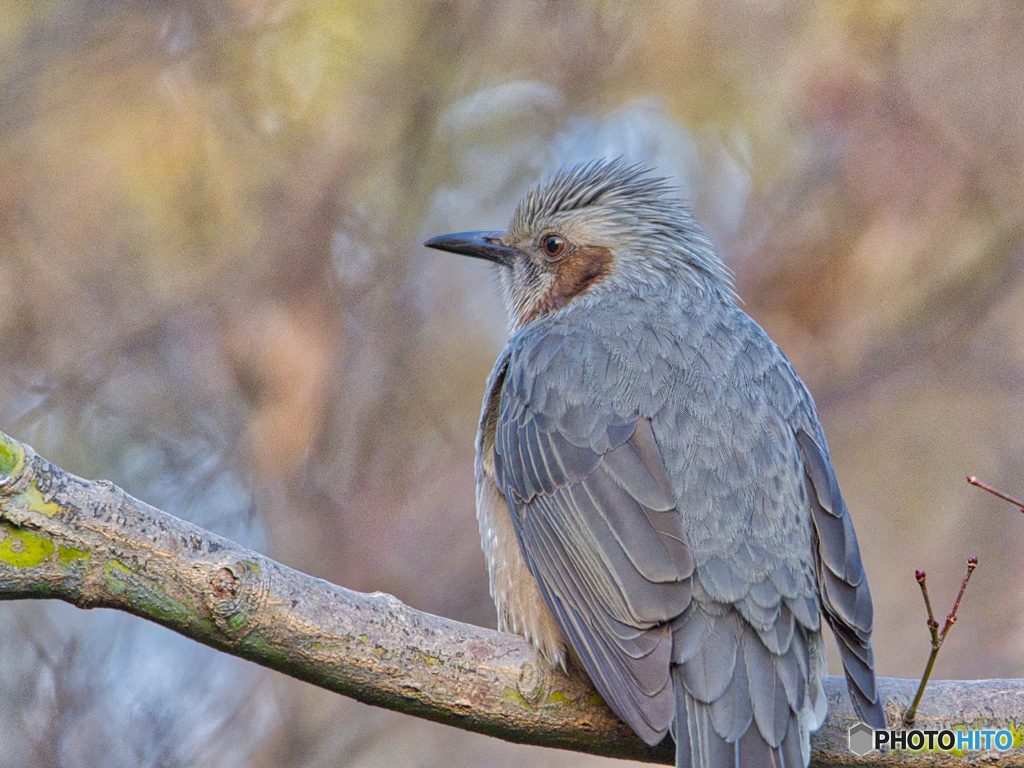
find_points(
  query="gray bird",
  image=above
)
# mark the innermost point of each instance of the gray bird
(653, 484)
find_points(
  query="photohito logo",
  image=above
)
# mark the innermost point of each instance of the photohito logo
(864, 739)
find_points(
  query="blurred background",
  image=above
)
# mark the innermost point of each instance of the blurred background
(213, 293)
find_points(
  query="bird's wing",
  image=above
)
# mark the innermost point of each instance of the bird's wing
(595, 515)
(845, 598)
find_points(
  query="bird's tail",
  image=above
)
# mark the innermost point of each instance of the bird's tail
(726, 734)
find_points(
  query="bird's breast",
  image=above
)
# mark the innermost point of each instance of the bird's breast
(521, 608)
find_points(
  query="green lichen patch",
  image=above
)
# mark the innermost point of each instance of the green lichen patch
(12, 458)
(22, 549)
(1017, 729)
(35, 501)
(69, 555)
(557, 698)
(511, 694)
(145, 595)
(543, 701)
(116, 576)
(264, 652)
(237, 621)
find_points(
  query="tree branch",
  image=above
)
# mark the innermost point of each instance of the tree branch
(92, 545)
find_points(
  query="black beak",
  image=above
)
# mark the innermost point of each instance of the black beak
(481, 245)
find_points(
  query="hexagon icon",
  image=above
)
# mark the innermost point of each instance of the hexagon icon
(862, 739)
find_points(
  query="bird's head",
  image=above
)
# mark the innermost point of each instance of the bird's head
(589, 231)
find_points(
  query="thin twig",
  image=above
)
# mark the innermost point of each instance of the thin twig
(975, 481)
(937, 637)
(933, 625)
(972, 563)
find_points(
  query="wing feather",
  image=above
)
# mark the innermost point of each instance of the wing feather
(595, 515)
(630, 668)
(845, 599)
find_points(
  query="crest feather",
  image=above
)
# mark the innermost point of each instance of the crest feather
(646, 213)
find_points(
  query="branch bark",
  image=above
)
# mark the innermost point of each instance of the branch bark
(94, 546)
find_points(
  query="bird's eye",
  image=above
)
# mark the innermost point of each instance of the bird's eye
(553, 246)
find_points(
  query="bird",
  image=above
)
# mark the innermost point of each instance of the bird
(655, 495)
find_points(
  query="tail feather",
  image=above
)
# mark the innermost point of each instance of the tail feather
(765, 715)
(772, 713)
(795, 750)
(732, 713)
(698, 744)
(681, 726)
(706, 749)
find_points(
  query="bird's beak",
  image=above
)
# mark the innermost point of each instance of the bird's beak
(481, 245)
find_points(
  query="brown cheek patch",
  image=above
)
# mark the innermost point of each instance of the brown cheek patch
(580, 270)
(575, 273)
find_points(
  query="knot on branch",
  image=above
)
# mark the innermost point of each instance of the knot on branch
(237, 592)
(531, 682)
